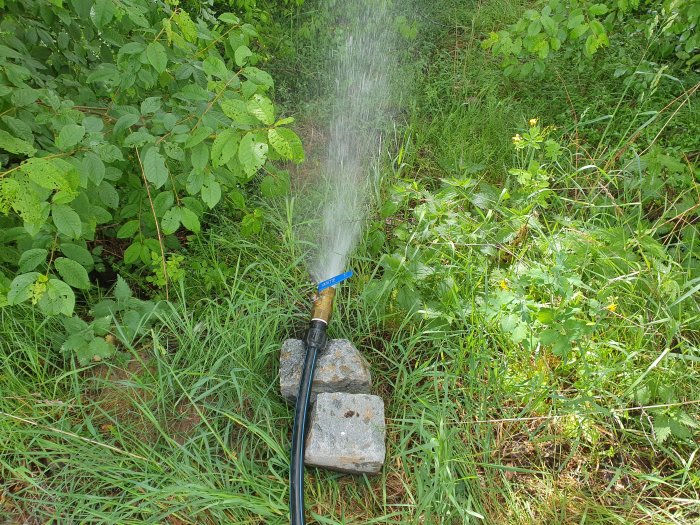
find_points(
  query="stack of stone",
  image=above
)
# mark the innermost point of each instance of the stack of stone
(346, 424)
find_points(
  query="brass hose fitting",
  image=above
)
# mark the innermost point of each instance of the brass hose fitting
(323, 306)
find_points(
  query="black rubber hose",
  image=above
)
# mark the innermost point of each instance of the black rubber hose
(314, 342)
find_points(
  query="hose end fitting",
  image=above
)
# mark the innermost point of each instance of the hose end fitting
(323, 305)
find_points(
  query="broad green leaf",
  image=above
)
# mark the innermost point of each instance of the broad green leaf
(21, 287)
(198, 136)
(258, 76)
(211, 193)
(154, 167)
(200, 156)
(214, 66)
(252, 153)
(662, 427)
(133, 252)
(122, 292)
(102, 13)
(66, 220)
(96, 350)
(128, 229)
(186, 25)
(598, 9)
(78, 254)
(94, 168)
(125, 122)
(31, 259)
(241, 54)
(171, 221)
(47, 174)
(224, 147)
(150, 105)
(190, 220)
(108, 194)
(229, 18)
(72, 272)
(163, 202)
(261, 107)
(14, 145)
(69, 136)
(286, 143)
(57, 299)
(157, 57)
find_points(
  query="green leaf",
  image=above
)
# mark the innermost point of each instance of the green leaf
(224, 147)
(150, 105)
(66, 220)
(128, 229)
(78, 254)
(275, 185)
(57, 299)
(31, 259)
(598, 9)
(198, 136)
(190, 220)
(252, 153)
(662, 427)
(72, 272)
(108, 194)
(125, 122)
(155, 52)
(241, 54)
(69, 136)
(200, 156)
(102, 13)
(211, 193)
(21, 287)
(133, 253)
(122, 292)
(171, 221)
(578, 31)
(154, 167)
(96, 350)
(261, 107)
(214, 66)
(163, 202)
(286, 143)
(14, 145)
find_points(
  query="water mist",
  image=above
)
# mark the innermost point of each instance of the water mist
(361, 91)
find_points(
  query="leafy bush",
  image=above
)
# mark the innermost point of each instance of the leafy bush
(580, 28)
(122, 120)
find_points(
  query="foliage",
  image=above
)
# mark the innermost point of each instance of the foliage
(119, 320)
(124, 120)
(580, 28)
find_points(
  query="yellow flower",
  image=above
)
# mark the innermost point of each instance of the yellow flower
(504, 285)
(517, 139)
(611, 307)
(533, 122)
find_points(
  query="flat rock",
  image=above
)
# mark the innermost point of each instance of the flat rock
(346, 433)
(339, 368)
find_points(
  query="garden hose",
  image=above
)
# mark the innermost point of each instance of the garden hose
(314, 341)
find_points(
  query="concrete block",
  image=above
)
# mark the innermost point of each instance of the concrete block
(339, 368)
(346, 433)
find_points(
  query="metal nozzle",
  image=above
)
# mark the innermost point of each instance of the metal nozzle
(323, 305)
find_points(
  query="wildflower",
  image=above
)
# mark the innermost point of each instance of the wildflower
(504, 285)
(612, 307)
(533, 122)
(517, 139)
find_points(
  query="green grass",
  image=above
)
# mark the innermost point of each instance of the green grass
(188, 426)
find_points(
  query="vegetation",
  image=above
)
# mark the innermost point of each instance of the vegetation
(527, 288)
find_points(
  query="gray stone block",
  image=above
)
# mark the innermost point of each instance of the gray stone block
(339, 368)
(346, 433)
